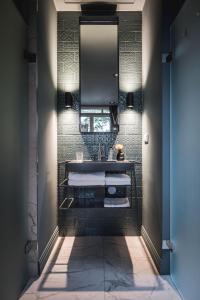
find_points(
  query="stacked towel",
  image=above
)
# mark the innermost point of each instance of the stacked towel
(118, 179)
(86, 179)
(116, 202)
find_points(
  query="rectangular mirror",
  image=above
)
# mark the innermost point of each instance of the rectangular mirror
(98, 119)
(99, 64)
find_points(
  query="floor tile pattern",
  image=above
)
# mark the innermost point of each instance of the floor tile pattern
(100, 268)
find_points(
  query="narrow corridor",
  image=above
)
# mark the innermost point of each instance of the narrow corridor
(110, 268)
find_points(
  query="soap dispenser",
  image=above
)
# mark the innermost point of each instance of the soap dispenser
(120, 152)
(110, 154)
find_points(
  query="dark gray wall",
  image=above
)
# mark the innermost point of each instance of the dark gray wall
(157, 18)
(185, 146)
(152, 122)
(47, 122)
(14, 151)
(130, 69)
(23, 7)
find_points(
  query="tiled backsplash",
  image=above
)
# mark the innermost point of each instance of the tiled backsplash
(130, 70)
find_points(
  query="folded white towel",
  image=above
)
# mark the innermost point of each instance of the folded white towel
(118, 179)
(115, 183)
(86, 182)
(117, 206)
(87, 176)
(116, 202)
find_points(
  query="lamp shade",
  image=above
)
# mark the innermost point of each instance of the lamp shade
(68, 100)
(130, 100)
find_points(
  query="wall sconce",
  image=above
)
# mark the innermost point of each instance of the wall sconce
(68, 100)
(130, 100)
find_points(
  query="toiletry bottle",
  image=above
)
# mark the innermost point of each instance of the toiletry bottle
(110, 155)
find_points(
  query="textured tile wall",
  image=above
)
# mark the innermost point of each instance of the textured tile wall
(130, 65)
(130, 70)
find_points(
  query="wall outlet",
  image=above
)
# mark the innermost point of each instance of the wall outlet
(146, 138)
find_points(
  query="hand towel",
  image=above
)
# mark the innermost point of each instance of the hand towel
(118, 179)
(86, 182)
(116, 202)
(87, 176)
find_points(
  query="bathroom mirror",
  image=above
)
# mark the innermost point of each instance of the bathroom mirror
(99, 64)
(98, 119)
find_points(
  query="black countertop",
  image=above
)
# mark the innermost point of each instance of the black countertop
(85, 166)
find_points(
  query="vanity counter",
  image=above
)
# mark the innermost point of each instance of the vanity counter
(82, 212)
(97, 166)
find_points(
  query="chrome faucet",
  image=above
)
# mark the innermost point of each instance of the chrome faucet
(101, 152)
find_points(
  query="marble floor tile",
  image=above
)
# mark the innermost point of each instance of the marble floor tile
(143, 266)
(72, 280)
(133, 241)
(126, 241)
(168, 290)
(64, 296)
(124, 247)
(101, 268)
(164, 295)
(77, 264)
(138, 252)
(68, 242)
(90, 251)
(29, 297)
(83, 241)
(140, 287)
(131, 282)
(65, 256)
(128, 295)
(128, 266)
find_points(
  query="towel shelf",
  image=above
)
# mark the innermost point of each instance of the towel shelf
(125, 182)
(93, 203)
(66, 185)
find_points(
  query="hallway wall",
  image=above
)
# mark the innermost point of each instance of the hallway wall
(185, 150)
(14, 151)
(152, 124)
(157, 18)
(47, 125)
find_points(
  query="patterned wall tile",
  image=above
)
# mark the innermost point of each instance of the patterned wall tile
(130, 63)
(138, 36)
(70, 129)
(66, 57)
(60, 25)
(76, 57)
(129, 36)
(66, 36)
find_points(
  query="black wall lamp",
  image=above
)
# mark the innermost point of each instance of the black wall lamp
(130, 100)
(68, 100)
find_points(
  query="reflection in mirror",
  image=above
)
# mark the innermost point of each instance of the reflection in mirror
(98, 119)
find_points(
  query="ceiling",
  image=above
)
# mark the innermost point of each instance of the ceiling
(122, 5)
